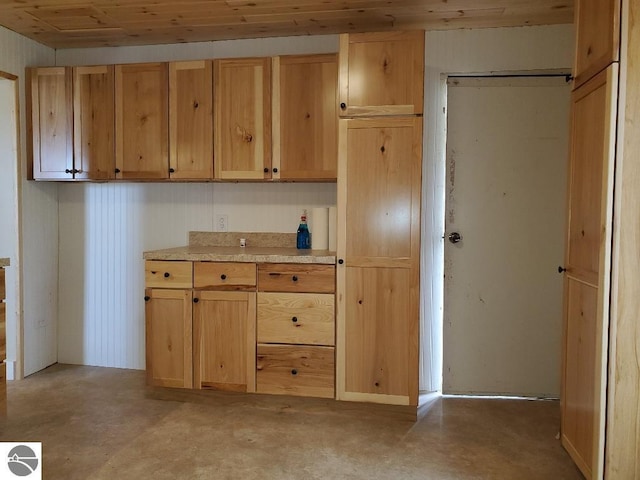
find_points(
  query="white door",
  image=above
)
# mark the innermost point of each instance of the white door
(507, 147)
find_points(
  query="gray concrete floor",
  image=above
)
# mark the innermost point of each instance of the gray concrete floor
(103, 423)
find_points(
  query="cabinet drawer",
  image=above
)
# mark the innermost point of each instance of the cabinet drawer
(296, 278)
(3, 331)
(214, 274)
(2, 284)
(161, 274)
(296, 370)
(307, 318)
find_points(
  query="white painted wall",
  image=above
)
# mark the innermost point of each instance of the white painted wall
(38, 260)
(465, 52)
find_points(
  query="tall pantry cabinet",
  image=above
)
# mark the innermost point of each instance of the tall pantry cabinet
(379, 180)
(601, 381)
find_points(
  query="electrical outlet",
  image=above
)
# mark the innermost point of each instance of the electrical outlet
(222, 223)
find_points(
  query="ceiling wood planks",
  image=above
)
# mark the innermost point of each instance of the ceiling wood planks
(97, 23)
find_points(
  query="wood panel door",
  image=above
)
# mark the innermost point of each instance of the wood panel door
(224, 340)
(142, 121)
(378, 249)
(191, 120)
(93, 123)
(597, 37)
(169, 338)
(242, 122)
(49, 102)
(305, 120)
(587, 275)
(381, 73)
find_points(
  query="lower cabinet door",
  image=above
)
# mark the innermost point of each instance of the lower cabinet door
(224, 340)
(302, 370)
(169, 339)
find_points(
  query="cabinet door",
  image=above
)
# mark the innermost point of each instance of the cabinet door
(191, 120)
(597, 37)
(587, 263)
(224, 341)
(142, 121)
(50, 104)
(169, 338)
(305, 120)
(93, 123)
(242, 106)
(378, 245)
(381, 73)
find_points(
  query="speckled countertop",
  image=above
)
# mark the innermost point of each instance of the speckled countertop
(4, 262)
(261, 248)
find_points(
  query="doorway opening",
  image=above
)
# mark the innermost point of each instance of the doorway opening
(505, 195)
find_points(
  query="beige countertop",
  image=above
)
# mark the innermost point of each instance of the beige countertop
(4, 262)
(243, 254)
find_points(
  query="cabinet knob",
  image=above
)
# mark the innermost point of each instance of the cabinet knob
(167, 274)
(561, 269)
(294, 372)
(117, 170)
(266, 170)
(223, 277)
(66, 170)
(343, 106)
(294, 319)
(340, 261)
(275, 170)
(196, 300)
(147, 298)
(294, 278)
(172, 170)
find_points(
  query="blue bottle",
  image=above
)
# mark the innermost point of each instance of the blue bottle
(304, 237)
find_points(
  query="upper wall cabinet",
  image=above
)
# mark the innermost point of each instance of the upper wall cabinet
(191, 120)
(242, 106)
(381, 73)
(93, 123)
(598, 37)
(305, 128)
(142, 121)
(50, 104)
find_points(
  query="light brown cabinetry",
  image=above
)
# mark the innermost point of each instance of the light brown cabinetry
(296, 330)
(597, 37)
(93, 123)
(191, 120)
(242, 122)
(3, 344)
(49, 103)
(305, 120)
(381, 73)
(142, 121)
(587, 263)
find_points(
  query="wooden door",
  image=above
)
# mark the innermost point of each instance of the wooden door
(50, 104)
(305, 120)
(191, 120)
(242, 124)
(224, 340)
(169, 338)
(378, 266)
(381, 73)
(587, 275)
(597, 37)
(142, 121)
(93, 123)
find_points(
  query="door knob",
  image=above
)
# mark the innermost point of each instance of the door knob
(455, 237)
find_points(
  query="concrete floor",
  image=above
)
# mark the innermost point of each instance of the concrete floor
(102, 423)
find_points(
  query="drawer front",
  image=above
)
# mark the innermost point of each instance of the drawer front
(3, 331)
(296, 370)
(161, 274)
(215, 274)
(296, 278)
(2, 284)
(306, 318)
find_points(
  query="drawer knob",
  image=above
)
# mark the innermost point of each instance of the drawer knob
(343, 106)
(266, 170)
(167, 274)
(294, 278)
(294, 372)
(341, 261)
(196, 300)
(275, 169)
(223, 277)
(294, 319)
(147, 298)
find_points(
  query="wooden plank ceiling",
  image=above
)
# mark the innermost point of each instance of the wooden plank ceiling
(95, 23)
